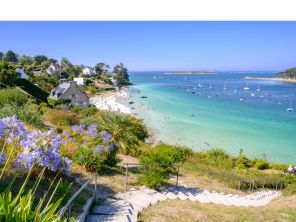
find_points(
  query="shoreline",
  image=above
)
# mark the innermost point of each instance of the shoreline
(109, 101)
(271, 79)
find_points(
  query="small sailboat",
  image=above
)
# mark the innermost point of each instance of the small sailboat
(258, 89)
(199, 85)
(246, 87)
(225, 87)
(235, 90)
(253, 94)
(242, 98)
(154, 77)
(210, 86)
(185, 78)
(290, 109)
(210, 97)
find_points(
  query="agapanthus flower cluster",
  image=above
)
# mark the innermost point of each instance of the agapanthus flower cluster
(14, 129)
(102, 148)
(106, 136)
(91, 130)
(41, 148)
(2, 158)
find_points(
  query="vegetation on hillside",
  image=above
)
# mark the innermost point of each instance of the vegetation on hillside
(289, 73)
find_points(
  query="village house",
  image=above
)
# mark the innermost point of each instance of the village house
(87, 71)
(80, 81)
(70, 91)
(21, 73)
(51, 69)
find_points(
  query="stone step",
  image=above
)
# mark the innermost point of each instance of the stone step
(110, 218)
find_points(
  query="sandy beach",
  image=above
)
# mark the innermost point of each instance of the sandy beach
(271, 79)
(109, 101)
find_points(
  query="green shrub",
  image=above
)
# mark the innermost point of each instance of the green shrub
(162, 154)
(290, 189)
(279, 166)
(12, 96)
(243, 162)
(88, 121)
(76, 109)
(85, 157)
(261, 164)
(126, 129)
(89, 111)
(61, 118)
(24, 113)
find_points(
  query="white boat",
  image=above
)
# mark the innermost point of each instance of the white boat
(185, 78)
(225, 87)
(199, 85)
(210, 97)
(246, 87)
(210, 86)
(290, 109)
(252, 94)
(154, 77)
(242, 98)
(258, 89)
(235, 91)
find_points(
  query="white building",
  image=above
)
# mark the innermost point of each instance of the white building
(51, 69)
(88, 71)
(22, 73)
(80, 81)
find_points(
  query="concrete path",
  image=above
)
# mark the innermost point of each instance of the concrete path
(126, 206)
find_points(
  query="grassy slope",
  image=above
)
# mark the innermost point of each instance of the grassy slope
(282, 209)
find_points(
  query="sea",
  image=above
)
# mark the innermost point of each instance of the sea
(219, 110)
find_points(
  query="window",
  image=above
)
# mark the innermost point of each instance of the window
(73, 96)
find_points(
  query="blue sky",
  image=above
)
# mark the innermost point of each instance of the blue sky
(144, 46)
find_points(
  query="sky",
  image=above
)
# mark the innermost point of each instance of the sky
(159, 46)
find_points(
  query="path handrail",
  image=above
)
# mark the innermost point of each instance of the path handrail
(69, 203)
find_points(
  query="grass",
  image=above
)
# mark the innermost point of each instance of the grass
(282, 209)
(66, 190)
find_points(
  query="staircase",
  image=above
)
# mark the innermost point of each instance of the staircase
(124, 207)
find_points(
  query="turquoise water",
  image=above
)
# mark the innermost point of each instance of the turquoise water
(179, 112)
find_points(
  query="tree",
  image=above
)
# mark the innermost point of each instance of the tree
(39, 59)
(26, 60)
(121, 75)
(65, 62)
(10, 56)
(1, 56)
(101, 69)
(8, 75)
(289, 73)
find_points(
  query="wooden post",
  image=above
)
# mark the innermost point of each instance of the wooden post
(177, 176)
(126, 175)
(69, 213)
(95, 195)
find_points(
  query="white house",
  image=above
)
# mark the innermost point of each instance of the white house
(22, 73)
(80, 81)
(87, 71)
(51, 69)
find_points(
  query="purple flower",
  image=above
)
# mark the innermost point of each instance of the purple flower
(15, 129)
(105, 136)
(65, 165)
(92, 130)
(24, 162)
(99, 149)
(78, 129)
(2, 158)
(2, 129)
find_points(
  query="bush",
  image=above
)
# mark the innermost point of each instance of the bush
(243, 162)
(86, 158)
(127, 130)
(12, 96)
(88, 121)
(262, 164)
(24, 113)
(290, 190)
(61, 118)
(162, 154)
(279, 166)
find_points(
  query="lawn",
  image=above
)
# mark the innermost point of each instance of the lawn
(281, 209)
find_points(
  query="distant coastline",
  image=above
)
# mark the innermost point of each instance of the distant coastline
(190, 73)
(271, 79)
